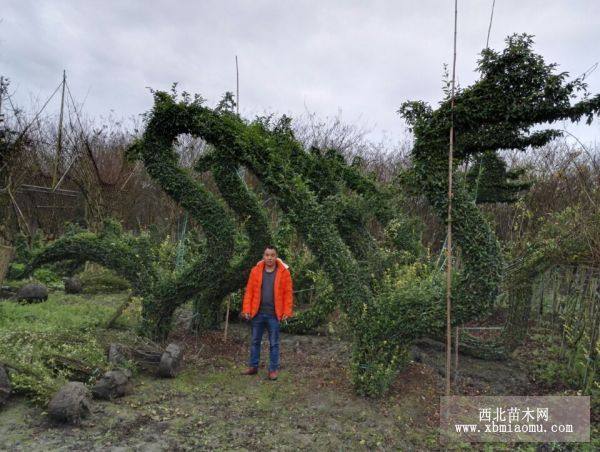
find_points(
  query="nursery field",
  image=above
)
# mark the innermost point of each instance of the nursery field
(209, 405)
(452, 267)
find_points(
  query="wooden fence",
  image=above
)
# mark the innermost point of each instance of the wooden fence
(566, 300)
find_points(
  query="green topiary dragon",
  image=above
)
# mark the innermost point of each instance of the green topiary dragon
(330, 203)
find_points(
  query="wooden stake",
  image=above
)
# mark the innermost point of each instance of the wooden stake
(449, 220)
(226, 319)
(119, 311)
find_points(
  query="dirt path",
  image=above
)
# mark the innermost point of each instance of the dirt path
(475, 376)
(210, 406)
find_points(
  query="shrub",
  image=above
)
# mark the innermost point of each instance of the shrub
(48, 277)
(46, 344)
(42, 361)
(408, 304)
(101, 280)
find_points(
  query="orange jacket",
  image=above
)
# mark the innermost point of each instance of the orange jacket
(282, 290)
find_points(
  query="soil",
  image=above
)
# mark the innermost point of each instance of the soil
(311, 406)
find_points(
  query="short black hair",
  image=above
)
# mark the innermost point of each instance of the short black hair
(271, 247)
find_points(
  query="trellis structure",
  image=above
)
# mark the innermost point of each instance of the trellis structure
(566, 301)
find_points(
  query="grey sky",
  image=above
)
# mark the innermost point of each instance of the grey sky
(363, 58)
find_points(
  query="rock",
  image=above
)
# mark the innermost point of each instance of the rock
(113, 384)
(116, 355)
(70, 404)
(5, 387)
(32, 293)
(73, 285)
(171, 361)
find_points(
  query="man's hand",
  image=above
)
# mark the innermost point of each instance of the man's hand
(284, 318)
(246, 315)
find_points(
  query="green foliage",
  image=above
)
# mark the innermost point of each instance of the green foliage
(131, 257)
(127, 255)
(267, 149)
(554, 243)
(167, 252)
(15, 284)
(25, 250)
(15, 270)
(516, 91)
(214, 275)
(42, 359)
(319, 214)
(48, 277)
(102, 280)
(553, 369)
(248, 210)
(408, 304)
(402, 236)
(330, 203)
(206, 316)
(208, 276)
(46, 344)
(169, 118)
(284, 238)
(314, 295)
(319, 296)
(490, 181)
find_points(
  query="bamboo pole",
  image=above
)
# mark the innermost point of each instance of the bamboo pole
(237, 86)
(456, 339)
(1, 96)
(449, 220)
(487, 41)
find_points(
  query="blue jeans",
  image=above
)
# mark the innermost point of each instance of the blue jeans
(259, 322)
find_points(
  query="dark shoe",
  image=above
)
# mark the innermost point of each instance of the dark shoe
(250, 371)
(272, 375)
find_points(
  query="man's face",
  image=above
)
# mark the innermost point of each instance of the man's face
(270, 257)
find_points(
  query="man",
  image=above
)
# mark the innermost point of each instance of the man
(267, 301)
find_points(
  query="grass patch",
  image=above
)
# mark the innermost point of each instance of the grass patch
(61, 310)
(46, 344)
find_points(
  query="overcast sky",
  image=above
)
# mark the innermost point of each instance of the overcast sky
(363, 58)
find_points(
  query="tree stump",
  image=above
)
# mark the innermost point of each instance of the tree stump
(5, 386)
(70, 404)
(166, 363)
(116, 354)
(171, 361)
(32, 293)
(73, 285)
(113, 384)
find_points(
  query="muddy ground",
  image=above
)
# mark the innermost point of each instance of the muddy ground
(310, 407)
